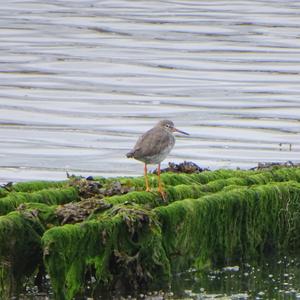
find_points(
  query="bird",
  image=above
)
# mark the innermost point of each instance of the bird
(153, 147)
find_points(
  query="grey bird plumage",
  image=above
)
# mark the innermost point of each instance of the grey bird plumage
(155, 144)
(153, 147)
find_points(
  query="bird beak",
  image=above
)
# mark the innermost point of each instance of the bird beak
(180, 131)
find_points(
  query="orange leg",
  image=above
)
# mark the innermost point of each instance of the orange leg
(146, 178)
(160, 188)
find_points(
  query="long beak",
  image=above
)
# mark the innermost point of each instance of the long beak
(180, 131)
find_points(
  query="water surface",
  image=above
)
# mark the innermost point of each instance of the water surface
(80, 80)
(272, 278)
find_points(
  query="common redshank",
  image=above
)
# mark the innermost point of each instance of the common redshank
(153, 147)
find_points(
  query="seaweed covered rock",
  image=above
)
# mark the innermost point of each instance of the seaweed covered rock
(188, 167)
(146, 246)
(47, 196)
(94, 232)
(20, 250)
(230, 226)
(121, 248)
(98, 187)
(33, 186)
(75, 212)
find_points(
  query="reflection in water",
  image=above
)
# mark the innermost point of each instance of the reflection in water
(273, 278)
(80, 80)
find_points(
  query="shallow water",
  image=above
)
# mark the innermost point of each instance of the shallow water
(272, 278)
(80, 80)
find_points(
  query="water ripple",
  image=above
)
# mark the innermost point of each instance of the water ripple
(81, 80)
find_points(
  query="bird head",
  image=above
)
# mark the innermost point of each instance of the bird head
(169, 126)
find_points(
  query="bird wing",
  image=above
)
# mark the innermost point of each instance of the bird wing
(152, 143)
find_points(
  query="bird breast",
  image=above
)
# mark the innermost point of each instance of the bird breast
(159, 149)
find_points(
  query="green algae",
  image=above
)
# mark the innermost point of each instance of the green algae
(218, 228)
(46, 214)
(20, 250)
(154, 199)
(209, 217)
(170, 178)
(229, 226)
(32, 186)
(178, 178)
(125, 243)
(3, 192)
(187, 186)
(49, 196)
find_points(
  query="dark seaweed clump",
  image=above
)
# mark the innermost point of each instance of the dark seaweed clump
(187, 167)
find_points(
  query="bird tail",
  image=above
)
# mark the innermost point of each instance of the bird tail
(130, 154)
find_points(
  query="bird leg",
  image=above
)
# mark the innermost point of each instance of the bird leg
(146, 178)
(160, 188)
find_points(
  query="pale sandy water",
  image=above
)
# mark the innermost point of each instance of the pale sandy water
(80, 80)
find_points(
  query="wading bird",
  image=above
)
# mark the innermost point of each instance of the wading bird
(153, 147)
